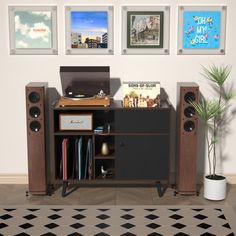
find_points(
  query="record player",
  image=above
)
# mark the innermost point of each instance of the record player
(85, 86)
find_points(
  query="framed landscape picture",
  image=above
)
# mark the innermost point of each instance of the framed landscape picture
(89, 30)
(33, 30)
(202, 30)
(145, 30)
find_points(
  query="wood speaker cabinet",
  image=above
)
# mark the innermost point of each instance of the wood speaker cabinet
(35, 115)
(187, 125)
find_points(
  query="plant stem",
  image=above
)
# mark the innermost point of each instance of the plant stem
(209, 150)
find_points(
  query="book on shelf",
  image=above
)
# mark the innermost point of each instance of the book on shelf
(141, 94)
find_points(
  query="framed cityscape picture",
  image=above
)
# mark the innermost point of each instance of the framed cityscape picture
(202, 30)
(89, 30)
(145, 29)
(33, 30)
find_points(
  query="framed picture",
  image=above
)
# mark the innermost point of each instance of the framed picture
(33, 30)
(89, 30)
(145, 29)
(202, 30)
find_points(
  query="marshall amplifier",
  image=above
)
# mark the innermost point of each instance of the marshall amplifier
(77, 122)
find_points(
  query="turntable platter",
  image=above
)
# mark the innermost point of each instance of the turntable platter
(78, 97)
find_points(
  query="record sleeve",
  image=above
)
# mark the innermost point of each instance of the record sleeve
(141, 94)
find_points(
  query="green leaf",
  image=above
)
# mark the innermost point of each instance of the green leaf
(207, 110)
(229, 95)
(215, 141)
(216, 74)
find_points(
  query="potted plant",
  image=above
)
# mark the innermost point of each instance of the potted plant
(214, 113)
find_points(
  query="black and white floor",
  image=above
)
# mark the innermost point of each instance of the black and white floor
(151, 220)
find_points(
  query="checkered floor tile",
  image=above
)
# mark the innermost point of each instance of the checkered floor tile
(116, 220)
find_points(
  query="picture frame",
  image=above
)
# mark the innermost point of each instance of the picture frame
(33, 30)
(89, 30)
(202, 30)
(145, 30)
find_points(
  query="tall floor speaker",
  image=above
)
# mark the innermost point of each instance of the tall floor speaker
(187, 125)
(36, 136)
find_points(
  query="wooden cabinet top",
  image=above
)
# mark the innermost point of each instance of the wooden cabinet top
(115, 105)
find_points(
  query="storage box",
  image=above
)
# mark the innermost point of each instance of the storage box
(77, 122)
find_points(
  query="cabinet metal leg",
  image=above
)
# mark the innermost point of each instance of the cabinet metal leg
(65, 185)
(65, 189)
(160, 189)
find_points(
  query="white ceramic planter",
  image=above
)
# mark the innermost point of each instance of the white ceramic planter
(215, 189)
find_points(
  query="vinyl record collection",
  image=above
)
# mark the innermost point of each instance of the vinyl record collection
(76, 158)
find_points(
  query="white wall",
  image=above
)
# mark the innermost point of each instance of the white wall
(17, 71)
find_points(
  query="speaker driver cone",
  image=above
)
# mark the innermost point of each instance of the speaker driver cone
(189, 97)
(189, 126)
(35, 126)
(189, 112)
(34, 97)
(34, 112)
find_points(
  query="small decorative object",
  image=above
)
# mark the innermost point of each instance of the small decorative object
(104, 172)
(141, 94)
(89, 30)
(145, 30)
(104, 149)
(201, 30)
(33, 29)
(215, 116)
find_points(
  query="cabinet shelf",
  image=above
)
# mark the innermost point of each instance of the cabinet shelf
(71, 133)
(100, 177)
(102, 157)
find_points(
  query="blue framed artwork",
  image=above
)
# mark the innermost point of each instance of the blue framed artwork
(89, 30)
(201, 30)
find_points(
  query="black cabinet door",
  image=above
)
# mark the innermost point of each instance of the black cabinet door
(142, 157)
(142, 121)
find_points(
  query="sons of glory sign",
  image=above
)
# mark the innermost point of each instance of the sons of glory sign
(201, 29)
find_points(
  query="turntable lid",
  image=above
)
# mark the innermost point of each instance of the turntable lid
(85, 80)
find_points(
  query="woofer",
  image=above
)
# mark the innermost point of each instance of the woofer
(35, 126)
(189, 97)
(34, 97)
(34, 112)
(189, 126)
(189, 112)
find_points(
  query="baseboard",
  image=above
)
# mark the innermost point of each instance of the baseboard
(23, 179)
(13, 179)
(231, 179)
